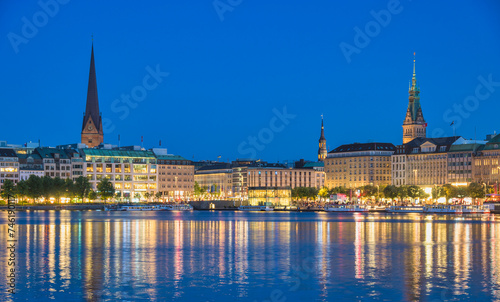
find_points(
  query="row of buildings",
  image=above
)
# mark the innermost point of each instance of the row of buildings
(134, 171)
(419, 160)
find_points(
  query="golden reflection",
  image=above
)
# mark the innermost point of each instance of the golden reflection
(118, 255)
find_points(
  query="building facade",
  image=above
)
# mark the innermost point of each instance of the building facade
(423, 161)
(132, 172)
(9, 166)
(56, 162)
(486, 163)
(30, 164)
(275, 175)
(356, 165)
(216, 178)
(175, 177)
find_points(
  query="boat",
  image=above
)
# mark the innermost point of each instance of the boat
(268, 208)
(492, 202)
(345, 208)
(456, 209)
(138, 207)
(475, 209)
(405, 209)
(179, 207)
(252, 208)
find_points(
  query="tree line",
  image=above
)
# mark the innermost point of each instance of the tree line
(36, 188)
(473, 190)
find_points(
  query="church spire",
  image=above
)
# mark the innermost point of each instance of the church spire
(322, 137)
(92, 134)
(322, 143)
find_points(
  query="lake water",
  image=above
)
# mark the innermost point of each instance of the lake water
(252, 256)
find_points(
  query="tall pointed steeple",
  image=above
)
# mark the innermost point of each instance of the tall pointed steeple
(414, 124)
(92, 134)
(322, 152)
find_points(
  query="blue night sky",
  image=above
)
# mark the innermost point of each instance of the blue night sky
(231, 68)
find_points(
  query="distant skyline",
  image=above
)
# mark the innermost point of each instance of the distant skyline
(248, 78)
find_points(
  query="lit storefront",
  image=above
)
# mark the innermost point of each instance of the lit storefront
(275, 196)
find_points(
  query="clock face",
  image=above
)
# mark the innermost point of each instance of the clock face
(89, 127)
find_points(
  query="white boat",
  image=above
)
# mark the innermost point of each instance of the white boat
(179, 207)
(405, 209)
(141, 207)
(475, 209)
(345, 208)
(456, 209)
(252, 208)
(268, 208)
(494, 207)
(138, 207)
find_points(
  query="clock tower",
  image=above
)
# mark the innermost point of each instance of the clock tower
(414, 124)
(92, 134)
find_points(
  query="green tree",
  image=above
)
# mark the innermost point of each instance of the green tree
(158, 196)
(197, 189)
(476, 191)
(137, 195)
(47, 187)
(70, 189)
(323, 192)
(147, 195)
(391, 192)
(118, 195)
(368, 191)
(438, 192)
(449, 191)
(106, 189)
(92, 195)
(22, 190)
(413, 192)
(8, 189)
(402, 192)
(82, 187)
(58, 188)
(34, 187)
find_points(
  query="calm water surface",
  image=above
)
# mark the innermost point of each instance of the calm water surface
(252, 256)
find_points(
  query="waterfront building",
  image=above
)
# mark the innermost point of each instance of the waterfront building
(9, 166)
(132, 171)
(322, 151)
(423, 161)
(240, 181)
(56, 162)
(460, 161)
(92, 133)
(77, 162)
(30, 164)
(279, 176)
(356, 165)
(216, 178)
(271, 196)
(414, 124)
(175, 176)
(486, 163)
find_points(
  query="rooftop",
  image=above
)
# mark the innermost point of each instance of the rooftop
(117, 153)
(356, 147)
(5, 152)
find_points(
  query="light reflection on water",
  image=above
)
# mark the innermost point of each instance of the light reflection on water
(222, 256)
